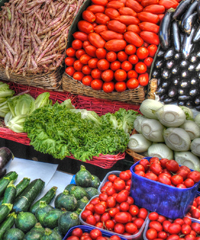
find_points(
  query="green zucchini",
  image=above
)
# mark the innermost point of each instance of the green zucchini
(66, 221)
(27, 197)
(51, 235)
(35, 233)
(91, 192)
(7, 224)
(82, 202)
(83, 177)
(95, 181)
(46, 198)
(11, 176)
(22, 185)
(43, 209)
(5, 209)
(25, 221)
(13, 234)
(78, 192)
(10, 193)
(65, 200)
(69, 186)
(51, 218)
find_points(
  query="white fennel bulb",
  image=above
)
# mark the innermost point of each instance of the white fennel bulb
(138, 143)
(187, 159)
(149, 107)
(195, 147)
(191, 128)
(160, 150)
(138, 123)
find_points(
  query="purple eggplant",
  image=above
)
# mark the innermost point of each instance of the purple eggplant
(5, 156)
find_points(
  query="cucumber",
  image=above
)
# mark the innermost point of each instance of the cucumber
(78, 192)
(83, 177)
(65, 200)
(46, 198)
(66, 221)
(11, 176)
(51, 218)
(51, 235)
(91, 192)
(42, 211)
(25, 221)
(35, 233)
(7, 224)
(27, 197)
(10, 193)
(95, 181)
(5, 209)
(13, 234)
(22, 185)
(82, 202)
(69, 186)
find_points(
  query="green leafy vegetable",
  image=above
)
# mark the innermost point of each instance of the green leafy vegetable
(42, 100)
(16, 123)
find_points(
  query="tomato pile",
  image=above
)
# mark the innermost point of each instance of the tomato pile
(114, 209)
(116, 43)
(94, 234)
(195, 209)
(179, 229)
(167, 172)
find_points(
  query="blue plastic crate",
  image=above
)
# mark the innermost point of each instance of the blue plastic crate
(166, 200)
(88, 229)
(73, 180)
(194, 219)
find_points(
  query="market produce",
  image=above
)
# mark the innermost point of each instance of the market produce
(36, 232)
(167, 172)
(10, 193)
(14, 233)
(177, 61)
(114, 46)
(20, 187)
(43, 209)
(51, 218)
(50, 235)
(11, 176)
(5, 156)
(60, 131)
(194, 210)
(5, 209)
(163, 228)
(25, 221)
(170, 133)
(34, 34)
(7, 224)
(66, 200)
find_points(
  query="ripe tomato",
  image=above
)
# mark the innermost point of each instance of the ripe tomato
(97, 84)
(70, 71)
(111, 56)
(174, 228)
(97, 217)
(101, 18)
(196, 227)
(78, 65)
(130, 200)
(87, 80)
(80, 36)
(85, 27)
(134, 210)
(99, 225)
(162, 235)
(70, 52)
(189, 182)
(182, 172)
(96, 8)
(107, 76)
(176, 179)
(69, 61)
(134, 28)
(148, 26)
(151, 234)
(124, 175)
(90, 207)
(128, 20)
(139, 222)
(110, 35)
(109, 225)
(133, 38)
(112, 177)
(103, 64)
(111, 202)
(120, 86)
(122, 56)
(86, 70)
(77, 232)
(130, 49)
(186, 229)
(156, 168)
(127, 66)
(151, 176)
(121, 217)
(143, 79)
(131, 228)
(77, 44)
(85, 44)
(99, 208)
(119, 228)
(133, 59)
(150, 37)
(115, 45)
(79, 53)
(99, 2)
(96, 40)
(115, 65)
(92, 63)
(78, 76)
(84, 59)
(101, 53)
(120, 75)
(153, 216)
(100, 28)
(94, 233)
(112, 13)
(172, 166)
(142, 52)
(119, 184)
(124, 206)
(127, 11)
(156, 225)
(122, 196)
(85, 214)
(161, 219)
(90, 50)
(140, 67)
(115, 4)
(148, 61)
(132, 83)
(88, 16)
(91, 220)
(96, 73)
(110, 191)
(73, 238)
(195, 176)
(142, 213)
(164, 178)
(105, 216)
(145, 163)
(114, 237)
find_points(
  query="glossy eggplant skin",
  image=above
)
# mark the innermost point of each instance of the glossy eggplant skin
(189, 23)
(193, 58)
(164, 33)
(5, 156)
(159, 63)
(156, 73)
(188, 13)
(197, 69)
(185, 74)
(184, 97)
(189, 104)
(175, 70)
(176, 36)
(161, 91)
(198, 108)
(196, 35)
(165, 84)
(197, 101)
(194, 91)
(183, 91)
(192, 67)
(160, 53)
(181, 103)
(198, 9)
(182, 7)
(194, 81)
(169, 100)
(159, 82)
(172, 92)
(166, 74)
(184, 64)
(185, 83)
(169, 54)
(170, 64)
(176, 81)
(177, 56)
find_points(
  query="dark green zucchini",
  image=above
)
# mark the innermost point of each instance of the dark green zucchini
(83, 177)
(11, 176)
(69, 186)
(95, 181)
(82, 202)
(13, 234)
(51, 235)
(25, 221)
(91, 192)
(35, 233)
(66, 221)
(10, 193)
(5, 209)
(65, 200)
(22, 185)
(78, 192)
(27, 197)
(7, 224)
(43, 209)
(51, 218)
(46, 198)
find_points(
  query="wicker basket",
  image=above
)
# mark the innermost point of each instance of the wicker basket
(135, 96)
(51, 80)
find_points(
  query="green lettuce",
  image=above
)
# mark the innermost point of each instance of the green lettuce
(42, 100)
